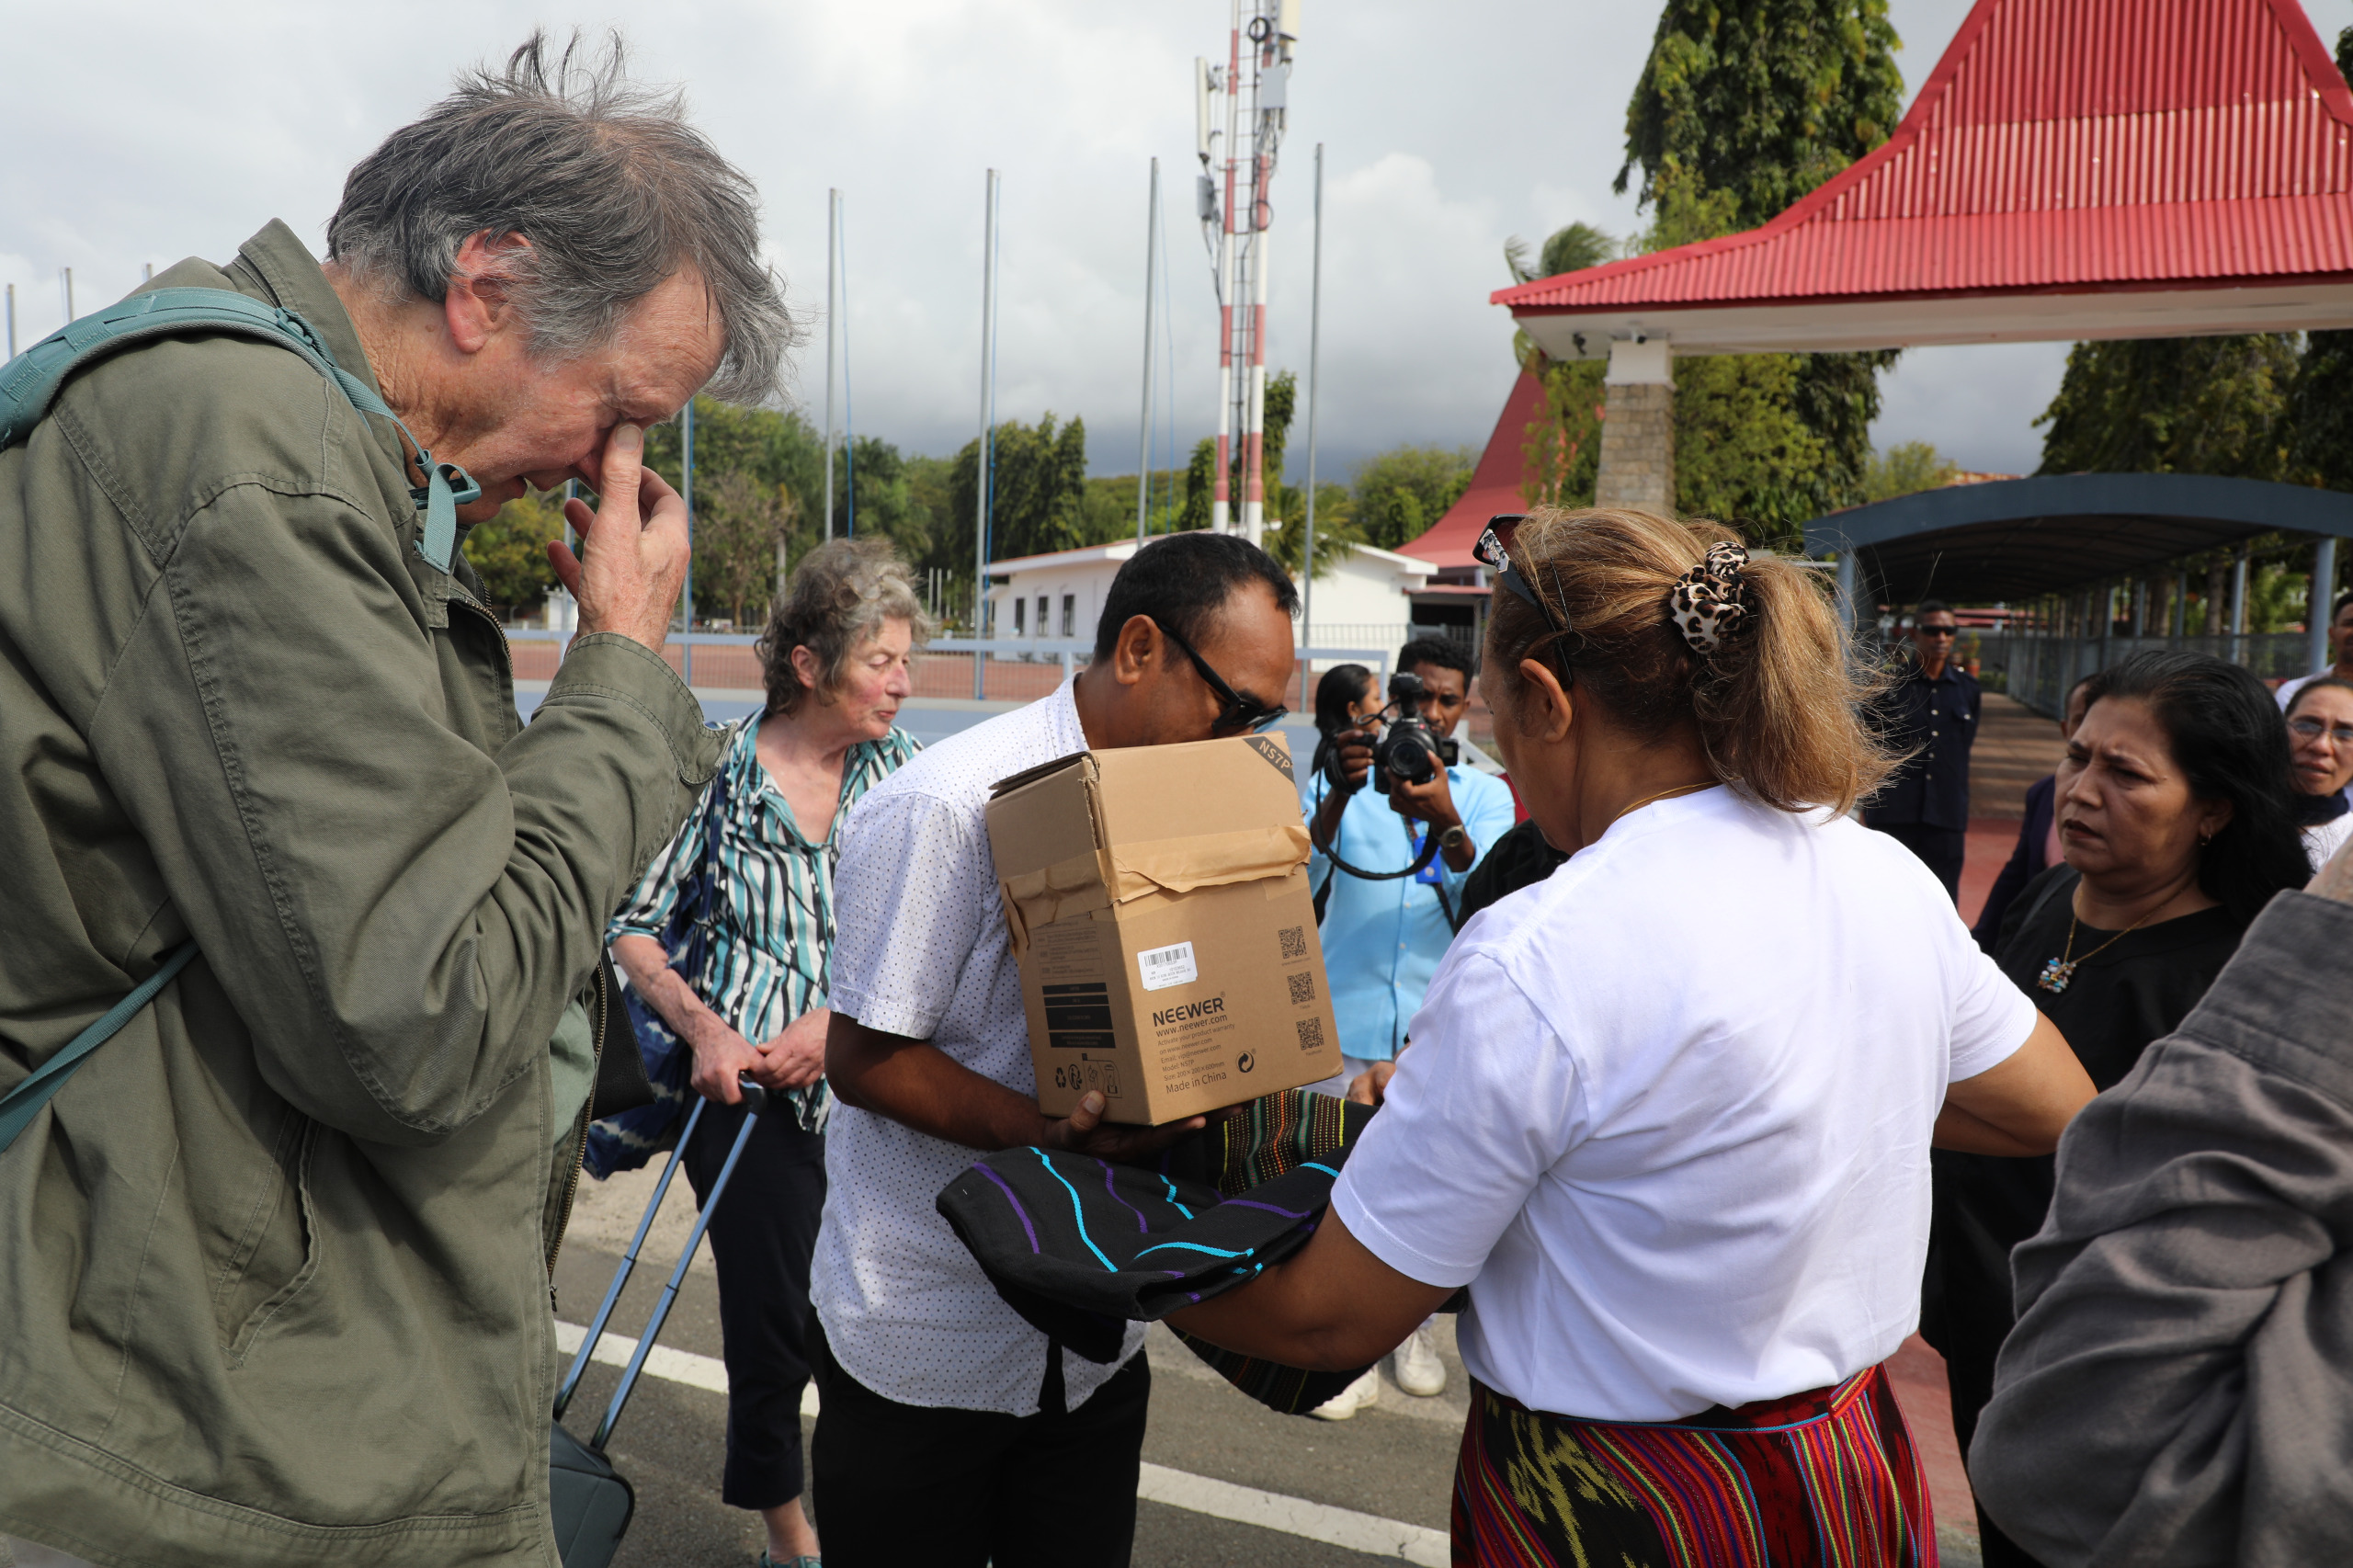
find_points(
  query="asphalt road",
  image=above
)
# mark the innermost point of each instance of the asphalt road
(1394, 1463)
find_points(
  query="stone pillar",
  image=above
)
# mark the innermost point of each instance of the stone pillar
(1637, 461)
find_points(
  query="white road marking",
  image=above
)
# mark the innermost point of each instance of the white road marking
(1295, 1515)
(1343, 1528)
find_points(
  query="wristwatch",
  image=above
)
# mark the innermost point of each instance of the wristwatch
(1453, 838)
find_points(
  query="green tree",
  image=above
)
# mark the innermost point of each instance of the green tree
(1399, 493)
(2174, 405)
(1904, 469)
(1561, 449)
(1201, 486)
(1745, 106)
(1037, 491)
(1761, 100)
(510, 552)
(745, 534)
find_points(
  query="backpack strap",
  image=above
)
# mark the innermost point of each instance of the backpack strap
(31, 382)
(21, 1104)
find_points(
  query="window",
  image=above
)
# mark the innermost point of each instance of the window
(1070, 615)
(1042, 603)
(1018, 605)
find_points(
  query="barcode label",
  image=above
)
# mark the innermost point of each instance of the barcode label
(1163, 967)
(1294, 940)
(1302, 989)
(1310, 1034)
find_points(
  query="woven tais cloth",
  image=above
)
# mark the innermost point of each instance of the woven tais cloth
(1081, 1248)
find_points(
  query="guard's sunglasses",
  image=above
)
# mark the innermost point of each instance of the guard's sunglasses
(1243, 715)
(1493, 553)
(1937, 630)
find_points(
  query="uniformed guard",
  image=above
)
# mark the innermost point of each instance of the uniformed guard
(1932, 712)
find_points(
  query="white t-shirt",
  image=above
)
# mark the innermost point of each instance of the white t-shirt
(920, 950)
(1667, 1112)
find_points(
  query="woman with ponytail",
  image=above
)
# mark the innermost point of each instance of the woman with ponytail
(1667, 1113)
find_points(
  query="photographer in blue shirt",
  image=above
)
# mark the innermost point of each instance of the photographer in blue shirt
(1384, 935)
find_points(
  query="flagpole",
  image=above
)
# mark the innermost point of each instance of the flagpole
(1315, 381)
(981, 451)
(1151, 274)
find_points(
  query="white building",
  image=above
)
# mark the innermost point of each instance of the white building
(1361, 605)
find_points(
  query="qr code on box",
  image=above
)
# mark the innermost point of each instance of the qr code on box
(1302, 988)
(1294, 943)
(1310, 1034)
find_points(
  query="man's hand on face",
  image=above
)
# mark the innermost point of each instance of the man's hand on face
(1082, 1131)
(632, 556)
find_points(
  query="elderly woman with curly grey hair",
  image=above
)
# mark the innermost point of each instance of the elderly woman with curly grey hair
(835, 661)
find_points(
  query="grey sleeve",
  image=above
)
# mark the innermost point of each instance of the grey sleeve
(2179, 1387)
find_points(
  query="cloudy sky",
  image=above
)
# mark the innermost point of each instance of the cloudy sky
(142, 133)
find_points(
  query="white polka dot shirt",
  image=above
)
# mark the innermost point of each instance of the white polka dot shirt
(920, 951)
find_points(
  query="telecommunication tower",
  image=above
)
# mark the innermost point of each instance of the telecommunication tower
(1238, 122)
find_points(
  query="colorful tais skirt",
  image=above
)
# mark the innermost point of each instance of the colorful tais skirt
(1821, 1480)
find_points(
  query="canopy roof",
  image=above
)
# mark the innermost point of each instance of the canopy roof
(2072, 169)
(2014, 539)
(1495, 484)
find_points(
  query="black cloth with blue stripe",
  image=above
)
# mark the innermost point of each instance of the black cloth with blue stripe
(1081, 1248)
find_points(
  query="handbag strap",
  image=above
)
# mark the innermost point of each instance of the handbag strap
(21, 1104)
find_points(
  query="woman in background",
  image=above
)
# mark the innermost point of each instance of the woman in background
(2177, 816)
(2320, 736)
(835, 661)
(2036, 849)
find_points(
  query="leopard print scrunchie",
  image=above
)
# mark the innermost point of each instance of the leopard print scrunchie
(1709, 604)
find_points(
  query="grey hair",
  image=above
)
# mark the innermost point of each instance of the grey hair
(839, 599)
(605, 177)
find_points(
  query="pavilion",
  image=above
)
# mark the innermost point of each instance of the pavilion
(2072, 169)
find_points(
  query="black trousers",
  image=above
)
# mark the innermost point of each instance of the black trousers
(762, 1234)
(903, 1484)
(1941, 849)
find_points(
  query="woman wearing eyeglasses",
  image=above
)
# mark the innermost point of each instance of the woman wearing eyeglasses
(2319, 740)
(1669, 1110)
(2177, 818)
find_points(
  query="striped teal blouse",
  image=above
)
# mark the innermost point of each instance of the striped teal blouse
(769, 959)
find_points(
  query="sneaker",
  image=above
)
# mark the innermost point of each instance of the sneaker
(1362, 1394)
(1418, 1370)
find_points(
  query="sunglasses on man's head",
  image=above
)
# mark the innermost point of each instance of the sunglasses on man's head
(1243, 715)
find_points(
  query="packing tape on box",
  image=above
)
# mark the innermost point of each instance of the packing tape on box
(1157, 867)
(1206, 861)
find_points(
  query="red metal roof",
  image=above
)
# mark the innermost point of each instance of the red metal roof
(1494, 484)
(2060, 145)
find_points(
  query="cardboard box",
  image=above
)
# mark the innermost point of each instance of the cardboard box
(1159, 907)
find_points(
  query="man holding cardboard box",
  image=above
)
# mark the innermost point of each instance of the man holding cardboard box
(952, 1431)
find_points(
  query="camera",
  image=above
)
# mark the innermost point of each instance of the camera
(1409, 750)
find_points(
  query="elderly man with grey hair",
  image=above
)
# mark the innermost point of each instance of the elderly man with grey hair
(275, 1264)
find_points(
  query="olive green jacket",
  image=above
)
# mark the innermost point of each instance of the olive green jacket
(274, 1265)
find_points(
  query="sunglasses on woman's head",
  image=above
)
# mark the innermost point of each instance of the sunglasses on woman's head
(1243, 715)
(1493, 553)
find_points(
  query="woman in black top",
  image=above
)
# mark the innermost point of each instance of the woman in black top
(2175, 814)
